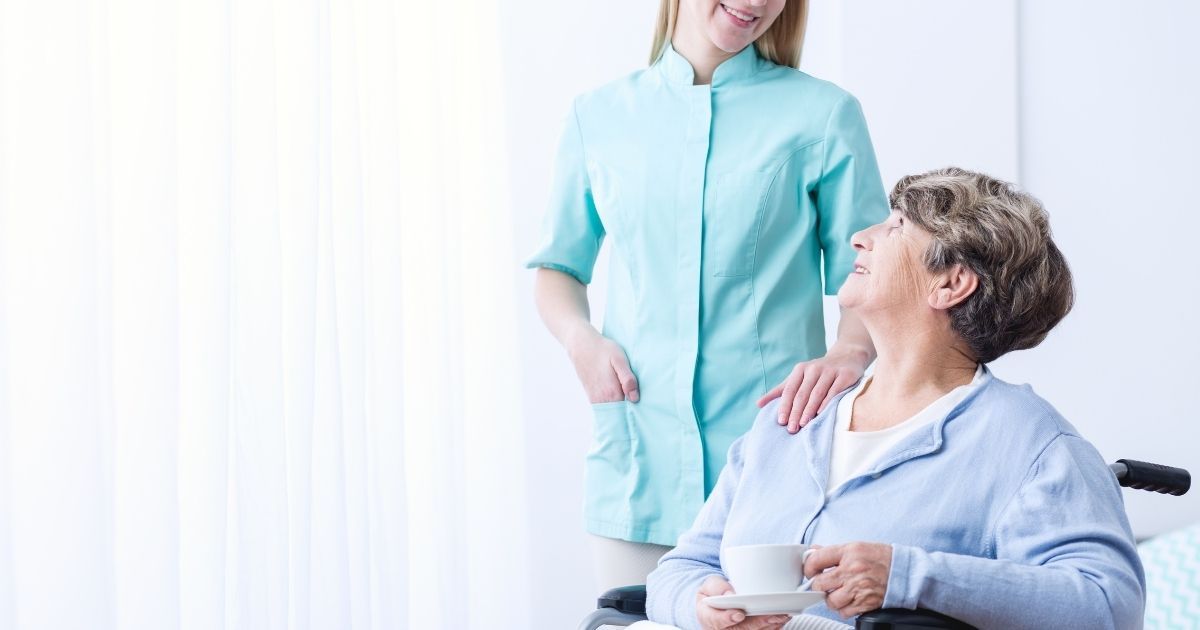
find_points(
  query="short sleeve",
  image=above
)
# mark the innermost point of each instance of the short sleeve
(850, 195)
(572, 231)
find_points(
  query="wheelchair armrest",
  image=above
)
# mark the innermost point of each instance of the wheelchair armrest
(619, 607)
(904, 619)
(630, 600)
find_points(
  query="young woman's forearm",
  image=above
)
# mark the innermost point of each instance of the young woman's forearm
(562, 304)
(853, 338)
(600, 363)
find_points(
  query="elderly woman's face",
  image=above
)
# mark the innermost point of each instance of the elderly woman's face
(889, 271)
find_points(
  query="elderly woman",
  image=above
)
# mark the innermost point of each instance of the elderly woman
(932, 483)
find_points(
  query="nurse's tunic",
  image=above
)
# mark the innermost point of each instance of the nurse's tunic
(721, 202)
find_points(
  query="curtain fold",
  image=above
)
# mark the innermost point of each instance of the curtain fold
(256, 320)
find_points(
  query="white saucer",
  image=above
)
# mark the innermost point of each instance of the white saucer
(790, 603)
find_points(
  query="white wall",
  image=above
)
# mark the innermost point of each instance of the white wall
(1088, 105)
(1109, 138)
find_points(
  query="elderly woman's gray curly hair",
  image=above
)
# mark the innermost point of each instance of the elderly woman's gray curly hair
(1003, 235)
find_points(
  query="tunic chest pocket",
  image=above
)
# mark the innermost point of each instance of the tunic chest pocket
(733, 219)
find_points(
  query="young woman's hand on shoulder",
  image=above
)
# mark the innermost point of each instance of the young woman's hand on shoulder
(812, 384)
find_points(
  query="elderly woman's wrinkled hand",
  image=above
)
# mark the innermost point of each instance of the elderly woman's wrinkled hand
(716, 619)
(854, 576)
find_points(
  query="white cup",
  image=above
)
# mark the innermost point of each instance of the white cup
(757, 569)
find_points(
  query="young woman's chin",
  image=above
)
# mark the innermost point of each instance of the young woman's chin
(731, 45)
(728, 39)
(731, 34)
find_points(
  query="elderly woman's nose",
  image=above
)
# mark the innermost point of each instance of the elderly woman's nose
(861, 239)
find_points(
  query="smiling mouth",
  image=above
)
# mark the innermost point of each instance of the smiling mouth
(862, 270)
(743, 17)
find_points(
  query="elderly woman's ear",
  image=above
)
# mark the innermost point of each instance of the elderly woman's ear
(952, 287)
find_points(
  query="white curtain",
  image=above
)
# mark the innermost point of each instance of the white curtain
(256, 318)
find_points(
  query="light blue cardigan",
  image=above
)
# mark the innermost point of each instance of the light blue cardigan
(1000, 515)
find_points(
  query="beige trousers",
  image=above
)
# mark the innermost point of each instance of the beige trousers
(623, 563)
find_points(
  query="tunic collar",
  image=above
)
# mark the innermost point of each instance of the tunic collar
(676, 69)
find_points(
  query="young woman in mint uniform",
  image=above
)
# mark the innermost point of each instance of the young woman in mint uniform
(728, 184)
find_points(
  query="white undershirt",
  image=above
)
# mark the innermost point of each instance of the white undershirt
(856, 452)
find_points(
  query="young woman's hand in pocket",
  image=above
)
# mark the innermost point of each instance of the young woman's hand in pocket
(717, 619)
(603, 369)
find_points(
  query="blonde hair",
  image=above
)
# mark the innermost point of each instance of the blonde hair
(781, 43)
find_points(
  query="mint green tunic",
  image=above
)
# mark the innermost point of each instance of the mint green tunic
(721, 202)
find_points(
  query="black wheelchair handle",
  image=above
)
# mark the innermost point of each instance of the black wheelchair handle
(1153, 477)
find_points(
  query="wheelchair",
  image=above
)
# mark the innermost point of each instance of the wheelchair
(626, 605)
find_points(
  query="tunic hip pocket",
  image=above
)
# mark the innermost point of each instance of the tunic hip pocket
(733, 220)
(610, 459)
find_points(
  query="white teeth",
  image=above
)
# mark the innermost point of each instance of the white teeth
(861, 270)
(738, 14)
